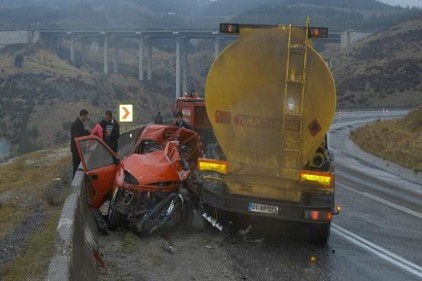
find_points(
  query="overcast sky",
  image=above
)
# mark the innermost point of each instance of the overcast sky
(404, 3)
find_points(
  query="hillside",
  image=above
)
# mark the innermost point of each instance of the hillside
(334, 14)
(41, 94)
(95, 13)
(383, 70)
(337, 14)
(250, 8)
(399, 141)
(40, 99)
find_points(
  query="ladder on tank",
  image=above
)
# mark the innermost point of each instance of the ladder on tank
(294, 91)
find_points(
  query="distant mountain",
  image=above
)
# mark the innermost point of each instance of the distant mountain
(382, 70)
(249, 7)
(403, 3)
(97, 13)
(337, 14)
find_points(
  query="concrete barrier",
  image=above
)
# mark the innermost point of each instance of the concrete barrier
(76, 240)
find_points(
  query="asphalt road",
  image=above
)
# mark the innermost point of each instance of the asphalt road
(378, 235)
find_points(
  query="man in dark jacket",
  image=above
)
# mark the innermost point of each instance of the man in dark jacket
(77, 130)
(111, 130)
(180, 122)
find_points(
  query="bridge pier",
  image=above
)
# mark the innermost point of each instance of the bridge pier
(141, 58)
(216, 46)
(185, 65)
(149, 62)
(115, 60)
(177, 67)
(347, 38)
(105, 55)
(72, 50)
(83, 50)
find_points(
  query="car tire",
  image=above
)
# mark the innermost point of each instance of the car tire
(115, 218)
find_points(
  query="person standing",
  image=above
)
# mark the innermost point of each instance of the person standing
(158, 119)
(179, 122)
(111, 129)
(77, 130)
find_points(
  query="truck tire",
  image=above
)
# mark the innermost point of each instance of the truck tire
(319, 233)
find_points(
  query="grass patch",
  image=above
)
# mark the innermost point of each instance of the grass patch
(40, 61)
(33, 263)
(154, 260)
(34, 182)
(33, 170)
(130, 243)
(24, 184)
(398, 140)
(10, 218)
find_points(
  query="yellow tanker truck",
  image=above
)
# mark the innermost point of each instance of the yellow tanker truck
(270, 99)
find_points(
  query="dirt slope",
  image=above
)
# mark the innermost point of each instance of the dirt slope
(383, 70)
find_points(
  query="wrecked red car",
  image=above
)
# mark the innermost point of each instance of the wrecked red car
(148, 188)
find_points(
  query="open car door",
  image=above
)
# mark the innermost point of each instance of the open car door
(100, 165)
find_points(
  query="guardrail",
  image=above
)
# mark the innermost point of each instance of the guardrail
(76, 238)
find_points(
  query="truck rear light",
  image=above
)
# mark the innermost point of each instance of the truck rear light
(338, 210)
(212, 165)
(320, 178)
(318, 215)
(318, 32)
(229, 27)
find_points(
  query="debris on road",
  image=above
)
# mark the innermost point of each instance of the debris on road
(246, 231)
(169, 248)
(213, 222)
(256, 241)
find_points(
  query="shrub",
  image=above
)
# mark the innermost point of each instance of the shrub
(19, 60)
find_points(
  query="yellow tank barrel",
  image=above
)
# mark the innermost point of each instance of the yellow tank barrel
(270, 98)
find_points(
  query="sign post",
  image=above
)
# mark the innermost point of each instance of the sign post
(126, 113)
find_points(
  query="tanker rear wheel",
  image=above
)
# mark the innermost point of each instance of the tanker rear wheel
(319, 233)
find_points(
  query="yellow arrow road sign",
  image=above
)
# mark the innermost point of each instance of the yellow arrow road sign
(126, 113)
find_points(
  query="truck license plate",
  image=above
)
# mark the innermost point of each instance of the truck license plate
(262, 208)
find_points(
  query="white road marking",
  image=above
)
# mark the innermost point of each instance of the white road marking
(383, 201)
(383, 253)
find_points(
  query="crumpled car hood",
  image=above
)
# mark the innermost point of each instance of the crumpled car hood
(150, 168)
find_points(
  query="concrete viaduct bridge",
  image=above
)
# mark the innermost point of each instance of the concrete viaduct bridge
(144, 37)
